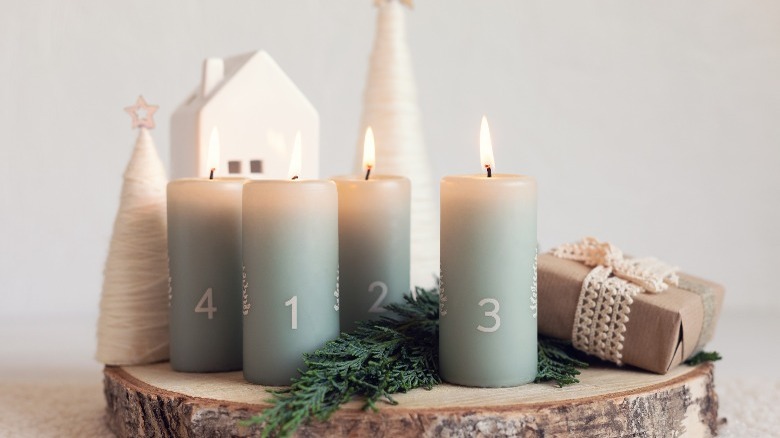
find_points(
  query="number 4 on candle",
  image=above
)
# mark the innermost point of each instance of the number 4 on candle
(208, 300)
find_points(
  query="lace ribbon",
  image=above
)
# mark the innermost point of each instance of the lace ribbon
(648, 273)
(608, 292)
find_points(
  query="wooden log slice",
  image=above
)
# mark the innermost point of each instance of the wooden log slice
(153, 400)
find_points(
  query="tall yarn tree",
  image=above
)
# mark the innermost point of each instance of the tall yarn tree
(390, 108)
(133, 323)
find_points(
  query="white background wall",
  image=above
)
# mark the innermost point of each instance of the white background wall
(653, 124)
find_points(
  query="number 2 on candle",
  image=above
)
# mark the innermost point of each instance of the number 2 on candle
(208, 300)
(491, 313)
(294, 303)
(377, 307)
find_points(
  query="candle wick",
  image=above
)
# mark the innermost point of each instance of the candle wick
(295, 177)
(489, 171)
(368, 172)
(211, 174)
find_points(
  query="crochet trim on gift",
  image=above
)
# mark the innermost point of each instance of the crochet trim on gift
(602, 314)
(608, 292)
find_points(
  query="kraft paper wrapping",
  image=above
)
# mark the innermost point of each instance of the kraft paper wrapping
(663, 329)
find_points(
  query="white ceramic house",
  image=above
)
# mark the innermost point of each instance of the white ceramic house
(257, 110)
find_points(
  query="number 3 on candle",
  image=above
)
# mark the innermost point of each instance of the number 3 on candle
(294, 303)
(491, 313)
(206, 299)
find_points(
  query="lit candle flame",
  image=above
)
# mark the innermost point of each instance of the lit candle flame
(486, 148)
(295, 160)
(369, 152)
(213, 155)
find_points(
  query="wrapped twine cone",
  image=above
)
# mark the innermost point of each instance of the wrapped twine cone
(390, 109)
(133, 323)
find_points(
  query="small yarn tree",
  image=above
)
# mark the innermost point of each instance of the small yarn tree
(133, 323)
(390, 108)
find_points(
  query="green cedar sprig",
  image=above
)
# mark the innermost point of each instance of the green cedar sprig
(380, 358)
(558, 362)
(703, 356)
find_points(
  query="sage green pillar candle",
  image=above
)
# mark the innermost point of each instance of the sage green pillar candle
(374, 257)
(204, 251)
(487, 333)
(291, 302)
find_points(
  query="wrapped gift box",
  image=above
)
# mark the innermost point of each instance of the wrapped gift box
(663, 329)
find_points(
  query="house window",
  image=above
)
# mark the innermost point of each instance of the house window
(234, 167)
(256, 166)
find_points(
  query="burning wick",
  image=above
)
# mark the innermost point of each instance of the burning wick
(486, 148)
(295, 160)
(369, 152)
(213, 156)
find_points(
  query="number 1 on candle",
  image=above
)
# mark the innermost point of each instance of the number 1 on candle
(294, 303)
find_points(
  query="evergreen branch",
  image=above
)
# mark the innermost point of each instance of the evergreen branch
(384, 357)
(703, 356)
(557, 362)
(380, 358)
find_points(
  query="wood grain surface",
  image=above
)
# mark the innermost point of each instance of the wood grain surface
(153, 400)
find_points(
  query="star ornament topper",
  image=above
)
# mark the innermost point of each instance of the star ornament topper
(142, 114)
(407, 3)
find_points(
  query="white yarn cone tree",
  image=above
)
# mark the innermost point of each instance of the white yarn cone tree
(133, 323)
(390, 109)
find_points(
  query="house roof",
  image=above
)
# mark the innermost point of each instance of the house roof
(238, 65)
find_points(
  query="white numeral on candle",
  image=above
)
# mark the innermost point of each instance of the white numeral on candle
(206, 299)
(377, 307)
(491, 313)
(294, 303)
